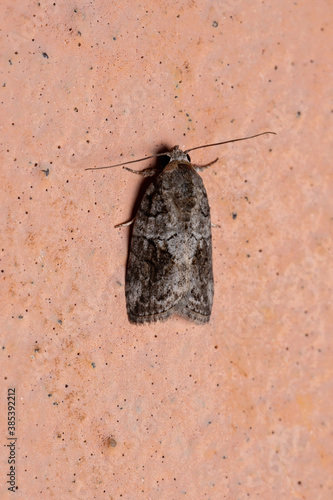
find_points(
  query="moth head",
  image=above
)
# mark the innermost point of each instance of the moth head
(177, 154)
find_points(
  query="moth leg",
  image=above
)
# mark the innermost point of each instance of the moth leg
(126, 223)
(200, 168)
(214, 225)
(146, 173)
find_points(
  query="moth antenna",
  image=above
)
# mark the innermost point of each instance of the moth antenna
(167, 153)
(128, 162)
(227, 142)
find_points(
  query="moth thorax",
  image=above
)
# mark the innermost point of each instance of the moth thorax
(177, 154)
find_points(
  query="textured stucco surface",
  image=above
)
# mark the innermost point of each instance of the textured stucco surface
(242, 407)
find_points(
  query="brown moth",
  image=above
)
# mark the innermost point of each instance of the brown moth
(169, 268)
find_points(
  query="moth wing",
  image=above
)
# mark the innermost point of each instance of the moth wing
(155, 279)
(197, 304)
(170, 263)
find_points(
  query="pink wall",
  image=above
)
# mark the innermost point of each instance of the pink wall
(242, 407)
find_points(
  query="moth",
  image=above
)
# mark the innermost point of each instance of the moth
(169, 269)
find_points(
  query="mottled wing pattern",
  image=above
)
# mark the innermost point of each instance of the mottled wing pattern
(197, 304)
(170, 266)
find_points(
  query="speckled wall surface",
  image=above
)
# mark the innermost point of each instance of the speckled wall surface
(242, 407)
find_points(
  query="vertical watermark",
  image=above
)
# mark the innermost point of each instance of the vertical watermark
(11, 440)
